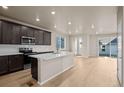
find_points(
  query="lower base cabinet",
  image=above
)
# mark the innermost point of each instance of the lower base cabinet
(34, 68)
(3, 65)
(16, 62)
(44, 70)
(11, 63)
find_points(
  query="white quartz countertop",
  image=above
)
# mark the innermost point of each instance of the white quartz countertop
(9, 53)
(49, 56)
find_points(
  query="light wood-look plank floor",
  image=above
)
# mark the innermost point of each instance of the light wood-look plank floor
(87, 72)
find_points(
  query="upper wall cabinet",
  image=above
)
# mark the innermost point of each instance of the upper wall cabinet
(27, 31)
(10, 33)
(47, 38)
(38, 37)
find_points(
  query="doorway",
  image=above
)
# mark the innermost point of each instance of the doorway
(108, 47)
(78, 46)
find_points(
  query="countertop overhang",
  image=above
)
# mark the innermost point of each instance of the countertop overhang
(49, 56)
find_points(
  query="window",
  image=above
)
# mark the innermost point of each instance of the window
(103, 48)
(60, 42)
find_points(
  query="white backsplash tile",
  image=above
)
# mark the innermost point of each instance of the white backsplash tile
(15, 48)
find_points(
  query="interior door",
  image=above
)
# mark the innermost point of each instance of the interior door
(120, 29)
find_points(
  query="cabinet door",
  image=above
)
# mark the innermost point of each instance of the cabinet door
(6, 33)
(0, 33)
(34, 68)
(3, 64)
(27, 31)
(47, 38)
(38, 37)
(10, 33)
(16, 62)
(16, 37)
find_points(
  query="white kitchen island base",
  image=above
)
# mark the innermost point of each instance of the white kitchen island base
(41, 83)
(52, 65)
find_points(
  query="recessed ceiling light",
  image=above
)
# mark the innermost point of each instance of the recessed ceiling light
(5, 7)
(53, 12)
(76, 31)
(92, 26)
(37, 19)
(69, 32)
(96, 32)
(69, 23)
(54, 26)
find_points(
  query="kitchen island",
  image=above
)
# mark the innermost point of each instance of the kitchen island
(47, 66)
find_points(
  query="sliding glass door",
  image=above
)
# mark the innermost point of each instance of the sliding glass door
(108, 47)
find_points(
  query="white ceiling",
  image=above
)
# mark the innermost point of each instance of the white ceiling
(81, 17)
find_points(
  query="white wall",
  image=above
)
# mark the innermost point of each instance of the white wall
(93, 46)
(90, 44)
(84, 50)
(94, 43)
(39, 48)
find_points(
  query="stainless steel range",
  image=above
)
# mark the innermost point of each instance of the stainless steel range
(28, 51)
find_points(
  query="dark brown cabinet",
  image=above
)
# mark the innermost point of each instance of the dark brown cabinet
(16, 36)
(34, 68)
(0, 34)
(10, 33)
(38, 37)
(11, 63)
(47, 38)
(6, 33)
(27, 31)
(3, 64)
(16, 62)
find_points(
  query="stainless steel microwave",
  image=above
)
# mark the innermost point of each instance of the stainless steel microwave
(25, 40)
